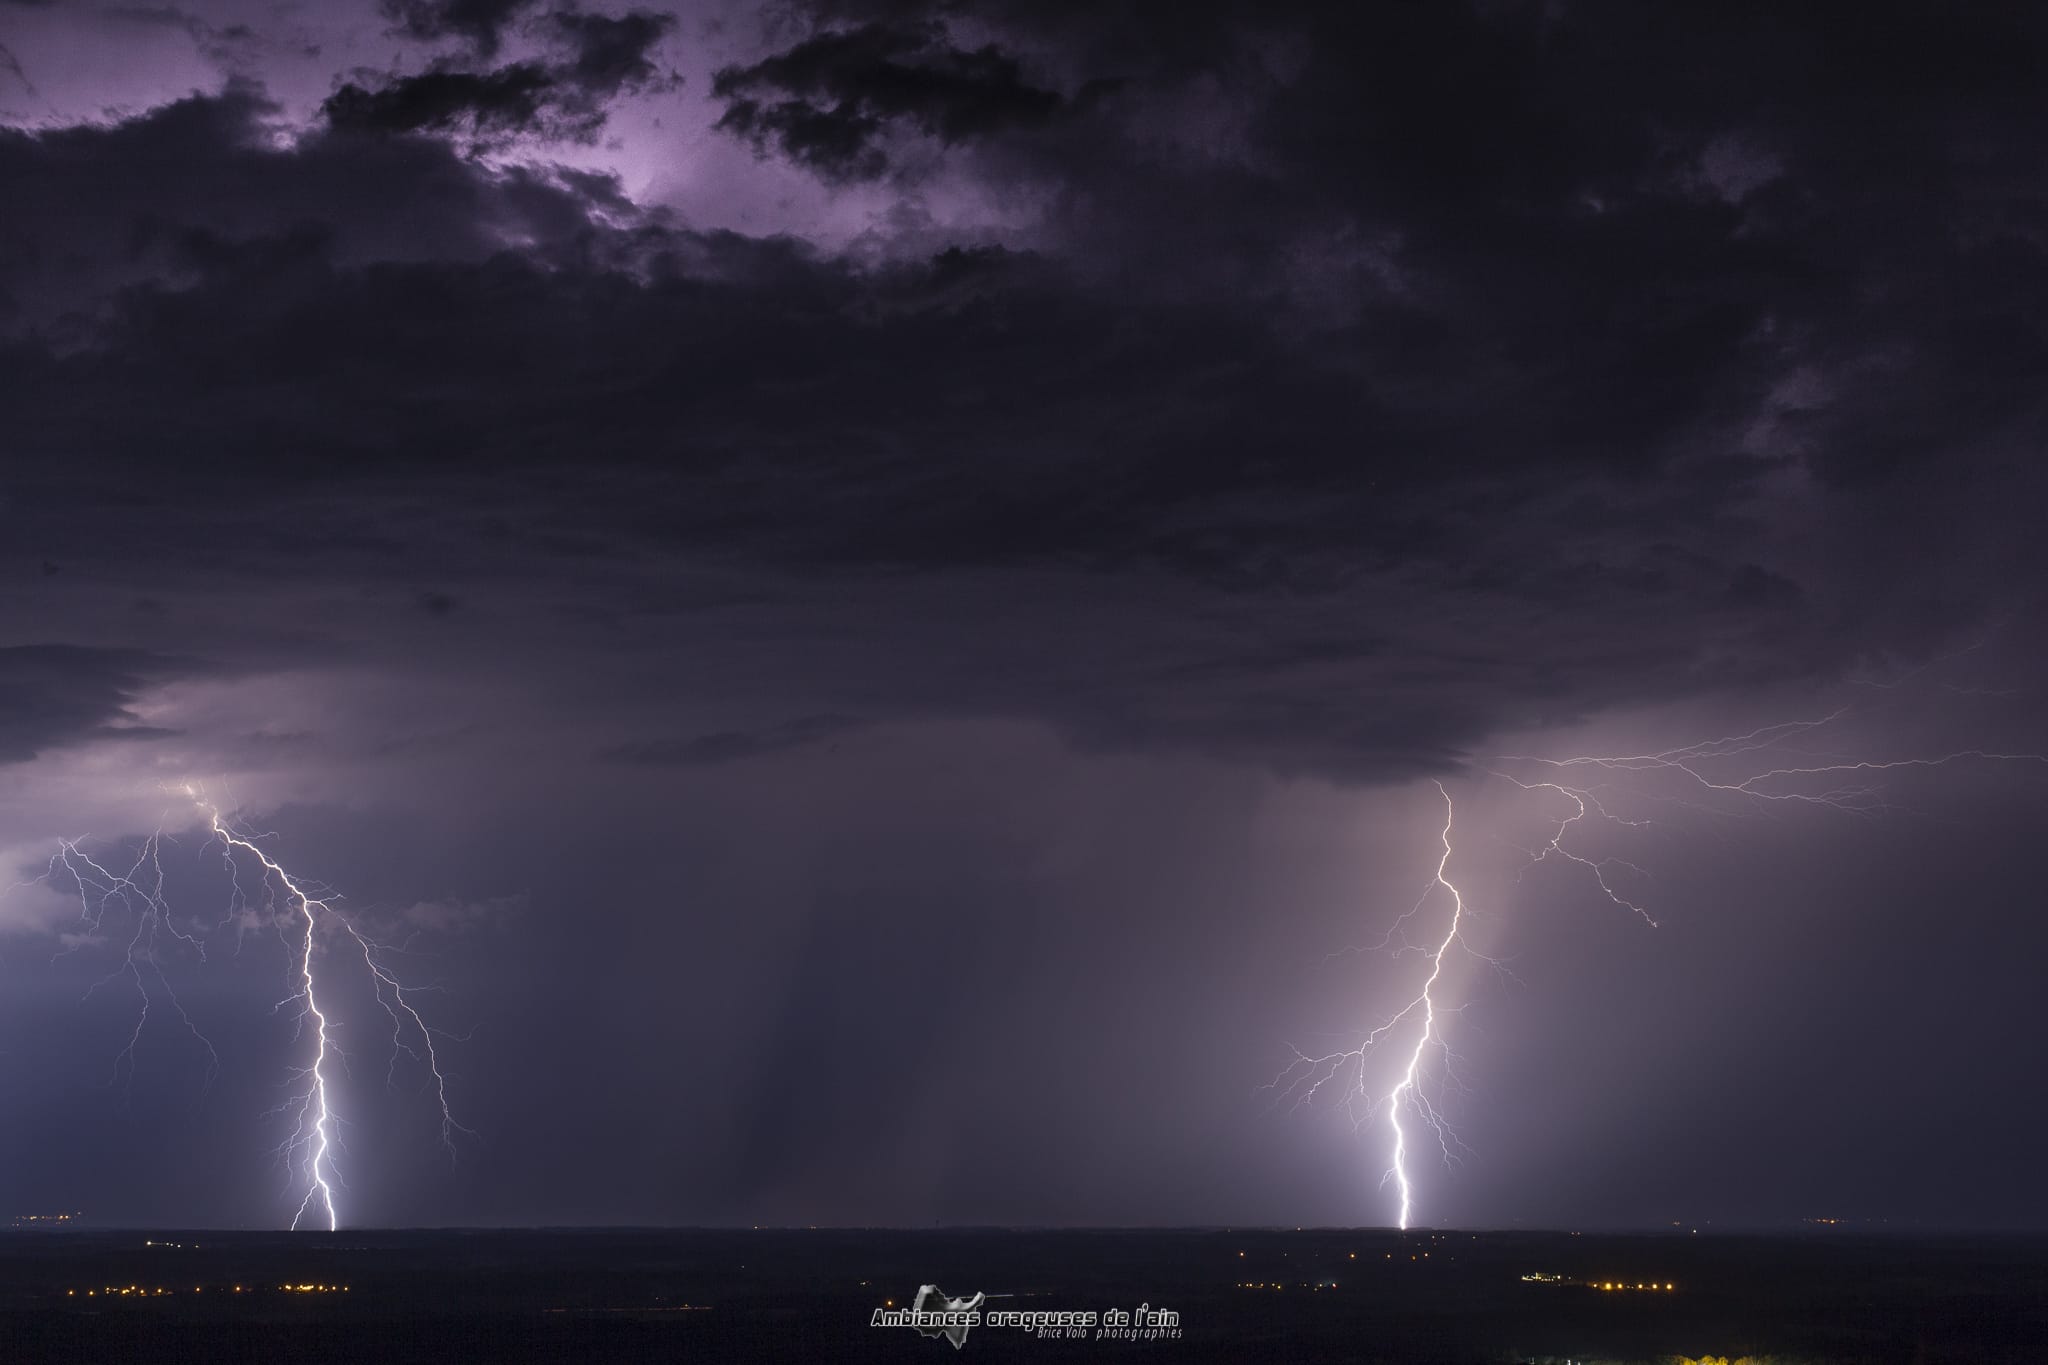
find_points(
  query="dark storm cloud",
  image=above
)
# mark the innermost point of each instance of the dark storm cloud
(827, 101)
(731, 746)
(508, 99)
(197, 187)
(479, 22)
(563, 99)
(51, 695)
(1516, 355)
(612, 52)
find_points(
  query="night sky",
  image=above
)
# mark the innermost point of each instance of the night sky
(875, 593)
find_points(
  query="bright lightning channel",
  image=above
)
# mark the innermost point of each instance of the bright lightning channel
(315, 1132)
(1306, 1076)
(301, 914)
(1845, 785)
(1412, 1074)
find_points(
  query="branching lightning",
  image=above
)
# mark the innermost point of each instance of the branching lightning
(1411, 1074)
(1308, 1075)
(305, 917)
(1751, 773)
(139, 890)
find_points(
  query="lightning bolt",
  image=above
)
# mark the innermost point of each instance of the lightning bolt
(1748, 774)
(1410, 1081)
(141, 890)
(303, 916)
(1307, 1075)
(313, 1137)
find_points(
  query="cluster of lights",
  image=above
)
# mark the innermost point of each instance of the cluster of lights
(1605, 1286)
(1317, 1285)
(1352, 1255)
(46, 1217)
(137, 1291)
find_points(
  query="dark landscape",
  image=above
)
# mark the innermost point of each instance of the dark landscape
(810, 1294)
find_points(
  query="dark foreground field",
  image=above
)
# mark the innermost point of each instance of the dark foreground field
(784, 1294)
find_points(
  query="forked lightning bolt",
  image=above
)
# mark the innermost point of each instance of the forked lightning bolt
(301, 914)
(1306, 1076)
(1411, 1074)
(139, 890)
(1724, 776)
(314, 1135)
